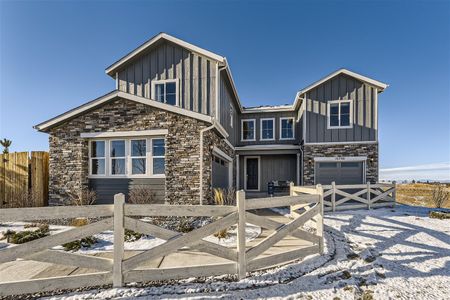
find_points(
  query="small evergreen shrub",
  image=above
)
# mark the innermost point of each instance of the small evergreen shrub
(132, 236)
(78, 244)
(27, 235)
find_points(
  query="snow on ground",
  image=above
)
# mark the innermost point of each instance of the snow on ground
(378, 254)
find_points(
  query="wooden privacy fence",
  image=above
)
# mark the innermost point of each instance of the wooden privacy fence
(354, 196)
(244, 257)
(23, 179)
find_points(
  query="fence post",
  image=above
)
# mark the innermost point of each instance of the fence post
(368, 194)
(119, 235)
(242, 263)
(333, 196)
(394, 193)
(319, 218)
(291, 193)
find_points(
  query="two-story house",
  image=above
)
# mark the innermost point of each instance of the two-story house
(175, 123)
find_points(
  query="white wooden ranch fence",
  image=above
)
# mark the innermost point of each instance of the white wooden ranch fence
(355, 196)
(245, 257)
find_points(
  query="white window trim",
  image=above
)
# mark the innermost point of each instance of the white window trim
(293, 128)
(261, 129)
(328, 114)
(259, 173)
(149, 158)
(242, 130)
(177, 94)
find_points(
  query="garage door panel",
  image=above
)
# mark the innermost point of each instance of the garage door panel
(219, 173)
(339, 172)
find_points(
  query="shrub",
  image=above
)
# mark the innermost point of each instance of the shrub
(224, 197)
(131, 236)
(439, 215)
(78, 244)
(28, 235)
(185, 225)
(439, 196)
(85, 197)
(78, 222)
(141, 194)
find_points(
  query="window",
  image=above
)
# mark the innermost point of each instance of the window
(328, 165)
(98, 157)
(340, 114)
(138, 156)
(248, 130)
(117, 154)
(159, 152)
(267, 129)
(127, 157)
(231, 115)
(286, 128)
(166, 91)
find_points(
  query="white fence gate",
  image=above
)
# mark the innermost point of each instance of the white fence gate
(305, 205)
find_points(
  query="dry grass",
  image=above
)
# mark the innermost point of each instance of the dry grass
(419, 194)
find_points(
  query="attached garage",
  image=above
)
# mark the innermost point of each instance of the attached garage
(340, 170)
(220, 173)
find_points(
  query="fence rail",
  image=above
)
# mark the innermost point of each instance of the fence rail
(305, 205)
(355, 196)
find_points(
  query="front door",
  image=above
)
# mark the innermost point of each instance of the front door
(252, 173)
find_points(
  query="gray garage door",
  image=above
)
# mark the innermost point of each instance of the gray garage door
(339, 172)
(219, 173)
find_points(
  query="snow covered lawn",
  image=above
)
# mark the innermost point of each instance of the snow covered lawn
(378, 254)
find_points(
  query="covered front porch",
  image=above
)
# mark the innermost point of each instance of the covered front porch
(257, 166)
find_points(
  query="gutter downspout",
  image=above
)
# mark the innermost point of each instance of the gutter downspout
(201, 159)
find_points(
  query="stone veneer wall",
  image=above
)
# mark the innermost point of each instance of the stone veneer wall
(211, 139)
(311, 151)
(69, 152)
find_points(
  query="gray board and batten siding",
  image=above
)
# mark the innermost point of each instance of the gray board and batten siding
(228, 102)
(298, 128)
(341, 87)
(273, 167)
(106, 188)
(196, 75)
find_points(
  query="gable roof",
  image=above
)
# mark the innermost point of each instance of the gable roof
(111, 70)
(378, 84)
(45, 126)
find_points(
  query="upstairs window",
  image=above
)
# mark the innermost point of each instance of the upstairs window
(248, 130)
(165, 91)
(286, 128)
(267, 129)
(340, 114)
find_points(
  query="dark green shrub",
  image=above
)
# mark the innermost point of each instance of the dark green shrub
(131, 236)
(27, 235)
(76, 245)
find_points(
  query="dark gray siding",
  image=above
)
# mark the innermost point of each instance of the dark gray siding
(341, 87)
(196, 74)
(277, 116)
(227, 99)
(273, 167)
(106, 188)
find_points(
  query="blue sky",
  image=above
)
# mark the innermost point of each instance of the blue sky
(53, 56)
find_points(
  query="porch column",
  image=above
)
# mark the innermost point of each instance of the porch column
(298, 169)
(237, 172)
